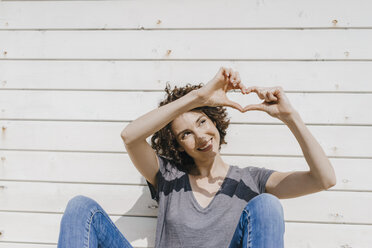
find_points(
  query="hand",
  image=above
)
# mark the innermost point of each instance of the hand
(214, 92)
(275, 102)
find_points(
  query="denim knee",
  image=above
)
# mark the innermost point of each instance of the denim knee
(268, 205)
(80, 204)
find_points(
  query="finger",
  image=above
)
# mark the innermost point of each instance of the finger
(234, 79)
(256, 90)
(234, 105)
(253, 89)
(241, 86)
(269, 97)
(237, 76)
(227, 75)
(230, 72)
(265, 95)
(245, 89)
(259, 107)
(261, 94)
(225, 72)
(277, 91)
(272, 97)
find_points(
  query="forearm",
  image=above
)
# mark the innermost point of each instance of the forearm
(153, 121)
(320, 166)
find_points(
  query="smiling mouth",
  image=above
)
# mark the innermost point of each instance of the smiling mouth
(207, 146)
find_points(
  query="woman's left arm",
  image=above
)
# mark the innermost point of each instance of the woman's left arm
(321, 175)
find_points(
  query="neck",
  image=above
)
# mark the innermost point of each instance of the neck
(210, 168)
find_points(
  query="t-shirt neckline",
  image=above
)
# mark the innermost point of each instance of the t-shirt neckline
(192, 196)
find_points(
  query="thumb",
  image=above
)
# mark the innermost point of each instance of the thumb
(260, 107)
(234, 105)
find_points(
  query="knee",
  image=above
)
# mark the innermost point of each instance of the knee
(268, 206)
(80, 204)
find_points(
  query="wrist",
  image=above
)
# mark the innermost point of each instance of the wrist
(291, 118)
(200, 99)
(196, 98)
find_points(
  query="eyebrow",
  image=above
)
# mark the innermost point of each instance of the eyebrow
(187, 129)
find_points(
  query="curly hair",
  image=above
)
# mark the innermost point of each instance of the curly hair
(164, 141)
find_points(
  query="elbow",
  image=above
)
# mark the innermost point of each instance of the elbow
(128, 137)
(125, 137)
(330, 183)
(329, 179)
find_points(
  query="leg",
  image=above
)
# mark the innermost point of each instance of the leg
(86, 225)
(261, 224)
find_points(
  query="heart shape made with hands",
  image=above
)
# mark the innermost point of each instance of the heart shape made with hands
(269, 95)
(274, 99)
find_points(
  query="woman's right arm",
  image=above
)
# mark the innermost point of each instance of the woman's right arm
(134, 134)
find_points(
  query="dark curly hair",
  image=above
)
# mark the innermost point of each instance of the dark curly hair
(164, 141)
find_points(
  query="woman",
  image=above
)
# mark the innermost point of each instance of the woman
(203, 201)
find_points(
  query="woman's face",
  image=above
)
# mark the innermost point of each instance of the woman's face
(196, 134)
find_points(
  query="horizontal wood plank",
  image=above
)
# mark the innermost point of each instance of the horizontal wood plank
(318, 76)
(127, 106)
(188, 45)
(153, 15)
(129, 200)
(337, 141)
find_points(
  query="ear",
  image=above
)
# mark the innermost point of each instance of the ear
(214, 123)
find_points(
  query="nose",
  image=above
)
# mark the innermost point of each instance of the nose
(201, 138)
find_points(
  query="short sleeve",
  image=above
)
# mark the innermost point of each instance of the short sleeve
(260, 176)
(155, 191)
(160, 180)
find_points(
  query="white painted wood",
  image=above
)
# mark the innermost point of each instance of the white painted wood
(324, 108)
(132, 200)
(305, 235)
(188, 44)
(90, 59)
(140, 231)
(334, 76)
(345, 141)
(146, 14)
(112, 168)
(117, 169)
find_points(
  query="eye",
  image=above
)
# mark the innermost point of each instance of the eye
(202, 121)
(184, 135)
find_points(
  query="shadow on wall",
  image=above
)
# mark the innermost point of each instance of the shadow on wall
(138, 225)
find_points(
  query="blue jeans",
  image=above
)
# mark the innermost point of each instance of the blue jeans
(86, 225)
(261, 224)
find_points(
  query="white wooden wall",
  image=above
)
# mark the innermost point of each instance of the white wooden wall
(74, 73)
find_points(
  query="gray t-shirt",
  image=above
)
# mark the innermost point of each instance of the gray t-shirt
(182, 222)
